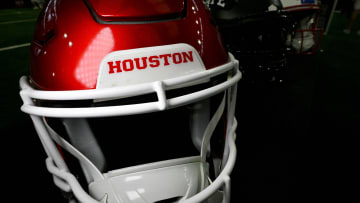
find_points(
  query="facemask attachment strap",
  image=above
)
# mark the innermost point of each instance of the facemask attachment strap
(51, 151)
(199, 119)
(231, 103)
(83, 139)
(90, 170)
(207, 136)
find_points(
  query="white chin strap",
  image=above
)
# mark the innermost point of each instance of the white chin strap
(207, 135)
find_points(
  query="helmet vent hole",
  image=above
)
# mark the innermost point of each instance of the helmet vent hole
(46, 38)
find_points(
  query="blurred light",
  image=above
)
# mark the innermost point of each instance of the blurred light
(88, 67)
(133, 195)
(132, 178)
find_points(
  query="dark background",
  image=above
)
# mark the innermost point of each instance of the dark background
(296, 140)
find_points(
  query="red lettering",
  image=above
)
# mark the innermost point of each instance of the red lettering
(154, 61)
(165, 57)
(112, 67)
(177, 58)
(137, 63)
(130, 63)
(187, 56)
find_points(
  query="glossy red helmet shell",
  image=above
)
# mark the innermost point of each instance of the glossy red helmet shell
(73, 36)
(76, 80)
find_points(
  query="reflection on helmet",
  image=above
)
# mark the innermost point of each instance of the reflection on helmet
(134, 102)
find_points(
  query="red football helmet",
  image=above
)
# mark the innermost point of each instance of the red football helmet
(103, 76)
(308, 34)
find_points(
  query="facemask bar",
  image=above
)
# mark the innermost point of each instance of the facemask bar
(159, 87)
(60, 170)
(222, 181)
(96, 175)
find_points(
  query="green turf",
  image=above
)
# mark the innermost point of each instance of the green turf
(340, 22)
(18, 33)
(14, 63)
(18, 14)
(13, 32)
(338, 80)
